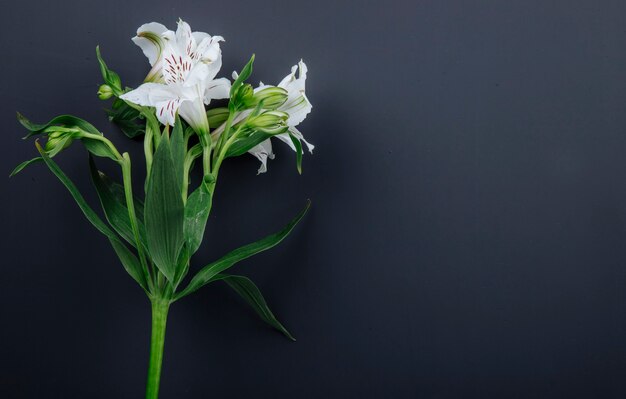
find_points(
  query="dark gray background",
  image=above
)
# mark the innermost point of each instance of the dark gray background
(469, 207)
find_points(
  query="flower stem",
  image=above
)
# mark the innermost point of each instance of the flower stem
(160, 308)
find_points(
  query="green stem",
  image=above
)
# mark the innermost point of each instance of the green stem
(130, 204)
(160, 308)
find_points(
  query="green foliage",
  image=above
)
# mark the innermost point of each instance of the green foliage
(164, 212)
(252, 295)
(111, 78)
(207, 273)
(296, 142)
(133, 268)
(127, 118)
(113, 202)
(197, 212)
(25, 164)
(66, 121)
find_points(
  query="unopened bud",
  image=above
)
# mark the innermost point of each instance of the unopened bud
(272, 97)
(105, 92)
(270, 122)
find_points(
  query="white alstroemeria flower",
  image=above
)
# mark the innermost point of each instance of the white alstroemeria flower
(297, 106)
(188, 64)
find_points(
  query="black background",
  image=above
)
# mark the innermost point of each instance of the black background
(467, 232)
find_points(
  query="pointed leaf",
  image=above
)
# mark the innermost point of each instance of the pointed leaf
(111, 78)
(113, 202)
(130, 263)
(61, 120)
(244, 144)
(25, 164)
(252, 295)
(92, 216)
(243, 75)
(177, 142)
(164, 212)
(296, 142)
(197, 212)
(205, 275)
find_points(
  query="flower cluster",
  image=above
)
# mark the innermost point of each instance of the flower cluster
(183, 81)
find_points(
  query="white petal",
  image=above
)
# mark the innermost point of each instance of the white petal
(217, 89)
(166, 111)
(297, 104)
(162, 97)
(176, 65)
(184, 39)
(263, 151)
(141, 95)
(194, 113)
(149, 39)
(297, 108)
(299, 135)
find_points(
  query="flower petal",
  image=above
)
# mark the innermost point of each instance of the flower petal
(176, 65)
(262, 151)
(163, 98)
(193, 112)
(297, 105)
(184, 39)
(149, 39)
(217, 89)
(284, 137)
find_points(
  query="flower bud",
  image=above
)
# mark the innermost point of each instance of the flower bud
(270, 122)
(244, 97)
(54, 145)
(105, 92)
(59, 138)
(272, 97)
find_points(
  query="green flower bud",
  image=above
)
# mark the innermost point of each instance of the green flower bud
(244, 97)
(272, 97)
(270, 122)
(105, 92)
(59, 138)
(54, 145)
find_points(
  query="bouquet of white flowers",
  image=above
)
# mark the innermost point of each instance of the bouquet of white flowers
(156, 237)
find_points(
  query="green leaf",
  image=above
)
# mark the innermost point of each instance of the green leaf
(68, 121)
(127, 118)
(130, 263)
(182, 265)
(252, 295)
(25, 164)
(98, 148)
(197, 212)
(177, 142)
(243, 75)
(296, 142)
(113, 202)
(242, 145)
(205, 275)
(91, 215)
(111, 78)
(164, 212)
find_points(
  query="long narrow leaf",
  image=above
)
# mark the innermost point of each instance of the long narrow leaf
(252, 295)
(205, 275)
(93, 217)
(61, 120)
(113, 203)
(25, 164)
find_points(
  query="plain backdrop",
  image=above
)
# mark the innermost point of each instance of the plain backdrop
(467, 233)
